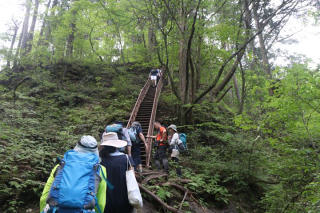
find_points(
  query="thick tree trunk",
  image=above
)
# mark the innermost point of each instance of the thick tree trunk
(182, 76)
(24, 33)
(33, 24)
(71, 35)
(183, 54)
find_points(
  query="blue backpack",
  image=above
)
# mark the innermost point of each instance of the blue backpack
(76, 184)
(183, 138)
(117, 128)
(133, 134)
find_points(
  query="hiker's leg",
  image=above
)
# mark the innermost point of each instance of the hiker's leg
(136, 155)
(165, 164)
(157, 159)
(178, 168)
(157, 163)
(164, 158)
(140, 168)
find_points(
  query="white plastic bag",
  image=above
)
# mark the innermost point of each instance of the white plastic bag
(134, 195)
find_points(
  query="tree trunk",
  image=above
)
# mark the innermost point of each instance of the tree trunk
(15, 29)
(24, 33)
(243, 89)
(236, 88)
(198, 65)
(151, 40)
(192, 81)
(44, 23)
(263, 49)
(33, 24)
(49, 28)
(71, 35)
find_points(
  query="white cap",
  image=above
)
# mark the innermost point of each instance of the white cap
(87, 144)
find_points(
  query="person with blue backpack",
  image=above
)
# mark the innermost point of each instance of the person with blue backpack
(176, 145)
(136, 136)
(122, 133)
(78, 183)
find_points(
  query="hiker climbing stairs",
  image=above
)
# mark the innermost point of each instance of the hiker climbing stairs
(144, 112)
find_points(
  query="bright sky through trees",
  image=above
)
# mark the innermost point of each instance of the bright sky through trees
(307, 35)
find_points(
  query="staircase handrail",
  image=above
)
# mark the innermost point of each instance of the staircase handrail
(140, 98)
(152, 119)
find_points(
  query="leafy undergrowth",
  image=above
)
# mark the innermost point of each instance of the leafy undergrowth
(227, 166)
(49, 116)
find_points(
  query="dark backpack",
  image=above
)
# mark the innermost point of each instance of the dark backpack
(154, 72)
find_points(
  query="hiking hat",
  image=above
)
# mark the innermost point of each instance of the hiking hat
(136, 123)
(174, 127)
(87, 144)
(111, 139)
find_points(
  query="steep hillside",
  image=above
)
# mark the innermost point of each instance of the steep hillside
(42, 117)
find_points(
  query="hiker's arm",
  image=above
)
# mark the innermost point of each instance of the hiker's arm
(143, 138)
(129, 150)
(46, 189)
(164, 135)
(174, 139)
(101, 194)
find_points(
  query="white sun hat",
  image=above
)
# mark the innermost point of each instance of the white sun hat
(111, 139)
(174, 127)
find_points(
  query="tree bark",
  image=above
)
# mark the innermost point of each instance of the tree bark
(263, 49)
(151, 41)
(44, 23)
(15, 32)
(236, 88)
(24, 33)
(33, 24)
(71, 35)
(49, 27)
(243, 89)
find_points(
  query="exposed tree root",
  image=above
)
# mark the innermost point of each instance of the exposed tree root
(177, 183)
(184, 197)
(165, 205)
(146, 180)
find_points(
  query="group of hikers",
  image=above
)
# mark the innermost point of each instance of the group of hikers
(94, 178)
